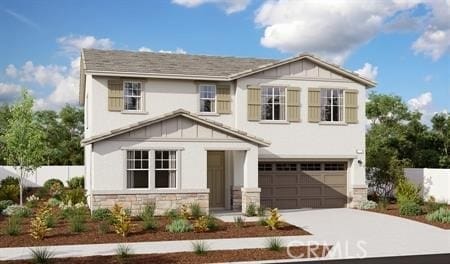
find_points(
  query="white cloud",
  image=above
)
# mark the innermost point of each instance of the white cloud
(368, 71)
(421, 103)
(9, 92)
(144, 49)
(73, 44)
(11, 71)
(334, 29)
(230, 6)
(176, 51)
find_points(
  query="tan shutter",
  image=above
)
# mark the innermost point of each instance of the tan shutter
(253, 103)
(293, 104)
(314, 105)
(115, 95)
(223, 98)
(351, 106)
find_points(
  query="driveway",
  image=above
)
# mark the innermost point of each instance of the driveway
(356, 233)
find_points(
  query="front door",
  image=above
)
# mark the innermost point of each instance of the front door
(216, 178)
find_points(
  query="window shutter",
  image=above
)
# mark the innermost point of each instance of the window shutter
(253, 103)
(293, 104)
(351, 106)
(313, 105)
(223, 98)
(115, 95)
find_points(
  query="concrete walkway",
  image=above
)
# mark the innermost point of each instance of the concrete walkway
(353, 234)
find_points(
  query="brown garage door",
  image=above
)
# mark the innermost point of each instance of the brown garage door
(288, 185)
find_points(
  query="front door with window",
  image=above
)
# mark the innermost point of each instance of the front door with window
(216, 178)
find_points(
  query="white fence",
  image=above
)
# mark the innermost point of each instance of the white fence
(42, 174)
(434, 182)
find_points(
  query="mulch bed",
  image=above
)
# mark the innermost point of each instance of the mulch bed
(210, 257)
(393, 209)
(61, 234)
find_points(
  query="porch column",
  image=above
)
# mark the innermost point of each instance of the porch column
(250, 190)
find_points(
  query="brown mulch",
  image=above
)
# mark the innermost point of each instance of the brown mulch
(209, 257)
(61, 234)
(393, 209)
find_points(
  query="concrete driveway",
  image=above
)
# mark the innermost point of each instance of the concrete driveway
(356, 233)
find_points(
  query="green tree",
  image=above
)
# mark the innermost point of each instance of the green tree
(5, 114)
(441, 128)
(72, 122)
(24, 139)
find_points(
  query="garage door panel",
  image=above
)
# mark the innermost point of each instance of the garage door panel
(320, 188)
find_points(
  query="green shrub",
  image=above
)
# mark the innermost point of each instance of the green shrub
(18, 210)
(101, 214)
(441, 215)
(41, 255)
(410, 208)
(273, 221)
(51, 220)
(53, 202)
(261, 211)
(76, 182)
(179, 226)
(13, 225)
(407, 191)
(200, 247)
(274, 244)
(172, 214)
(51, 182)
(250, 210)
(211, 222)
(32, 201)
(74, 196)
(196, 210)
(77, 223)
(10, 180)
(9, 192)
(383, 203)
(42, 193)
(262, 221)
(239, 221)
(123, 252)
(367, 205)
(149, 210)
(147, 216)
(4, 204)
(71, 211)
(431, 205)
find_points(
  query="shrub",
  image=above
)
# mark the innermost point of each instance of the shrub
(51, 220)
(147, 216)
(49, 183)
(10, 180)
(56, 190)
(274, 220)
(441, 215)
(77, 223)
(184, 212)
(123, 252)
(32, 201)
(261, 211)
(196, 210)
(383, 203)
(239, 221)
(262, 221)
(9, 189)
(41, 255)
(431, 205)
(74, 196)
(149, 210)
(121, 220)
(274, 244)
(4, 204)
(179, 226)
(76, 182)
(200, 247)
(13, 225)
(68, 211)
(407, 191)
(172, 214)
(250, 210)
(201, 224)
(367, 205)
(42, 193)
(101, 214)
(38, 228)
(410, 208)
(103, 227)
(53, 202)
(211, 222)
(17, 210)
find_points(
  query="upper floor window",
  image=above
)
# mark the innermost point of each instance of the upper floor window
(332, 105)
(273, 103)
(132, 96)
(207, 98)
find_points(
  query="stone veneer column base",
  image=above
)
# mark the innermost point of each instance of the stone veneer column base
(249, 196)
(162, 201)
(236, 198)
(359, 195)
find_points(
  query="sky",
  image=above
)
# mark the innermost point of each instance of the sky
(404, 45)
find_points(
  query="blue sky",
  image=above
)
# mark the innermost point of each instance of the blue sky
(404, 46)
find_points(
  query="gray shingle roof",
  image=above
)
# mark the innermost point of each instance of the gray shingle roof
(167, 63)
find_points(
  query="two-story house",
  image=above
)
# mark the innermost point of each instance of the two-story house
(171, 129)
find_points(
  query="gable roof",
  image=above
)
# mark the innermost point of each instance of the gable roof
(180, 112)
(186, 66)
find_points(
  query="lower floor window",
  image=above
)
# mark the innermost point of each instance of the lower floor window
(163, 173)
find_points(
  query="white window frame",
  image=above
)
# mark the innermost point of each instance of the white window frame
(134, 169)
(273, 103)
(200, 86)
(165, 169)
(341, 107)
(141, 96)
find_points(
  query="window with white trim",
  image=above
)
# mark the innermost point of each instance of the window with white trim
(165, 168)
(207, 98)
(132, 96)
(332, 105)
(137, 169)
(273, 103)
